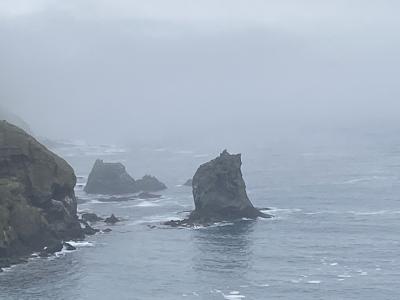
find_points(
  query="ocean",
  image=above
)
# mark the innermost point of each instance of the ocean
(334, 235)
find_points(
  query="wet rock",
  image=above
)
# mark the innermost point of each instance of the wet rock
(219, 193)
(91, 217)
(146, 195)
(89, 230)
(150, 184)
(106, 230)
(110, 179)
(51, 249)
(112, 219)
(69, 247)
(37, 199)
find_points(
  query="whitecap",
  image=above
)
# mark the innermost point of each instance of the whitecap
(314, 281)
(80, 244)
(146, 204)
(344, 276)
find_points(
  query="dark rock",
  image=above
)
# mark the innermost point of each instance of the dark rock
(6, 262)
(51, 249)
(37, 199)
(112, 219)
(146, 195)
(109, 179)
(89, 230)
(189, 182)
(69, 247)
(91, 217)
(219, 193)
(106, 230)
(150, 184)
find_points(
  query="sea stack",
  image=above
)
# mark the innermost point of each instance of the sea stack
(113, 179)
(219, 192)
(110, 179)
(150, 183)
(37, 200)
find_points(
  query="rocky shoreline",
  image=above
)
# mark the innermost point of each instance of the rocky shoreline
(38, 206)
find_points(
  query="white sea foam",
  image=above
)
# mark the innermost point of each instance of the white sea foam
(80, 244)
(282, 210)
(146, 204)
(344, 276)
(155, 219)
(314, 281)
(233, 297)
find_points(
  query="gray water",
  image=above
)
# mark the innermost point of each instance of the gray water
(334, 235)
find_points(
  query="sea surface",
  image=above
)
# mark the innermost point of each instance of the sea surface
(334, 235)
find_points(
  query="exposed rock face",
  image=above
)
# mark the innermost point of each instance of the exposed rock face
(189, 182)
(110, 179)
(150, 184)
(219, 192)
(37, 200)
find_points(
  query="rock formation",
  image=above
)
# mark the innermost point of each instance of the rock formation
(112, 219)
(37, 200)
(113, 179)
(147, 195)
(150, 184)
(219, 193)
(110, 179)
(91, 217)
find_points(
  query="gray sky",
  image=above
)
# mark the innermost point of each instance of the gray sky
(112, 70)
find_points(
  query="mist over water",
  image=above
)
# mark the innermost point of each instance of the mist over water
(307, 91)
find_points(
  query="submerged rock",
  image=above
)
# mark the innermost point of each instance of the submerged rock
(219, 193)
(112, 219)
(37, 199)
(146, 195)
(109, 179)
(189, 182)
(150, 184)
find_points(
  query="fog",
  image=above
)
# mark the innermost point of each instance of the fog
(198, 70)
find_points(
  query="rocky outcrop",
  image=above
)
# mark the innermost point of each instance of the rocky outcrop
(112, 219)
(37, 200)
(110, 179)
(113, 179)
(188, 182)
(147, 195)
(91, 217)
(150, 184)
(219, 193)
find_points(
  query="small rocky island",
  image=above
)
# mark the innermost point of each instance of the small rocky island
(219, 193)
(112, 179)
(109, 178)
(38, 208)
